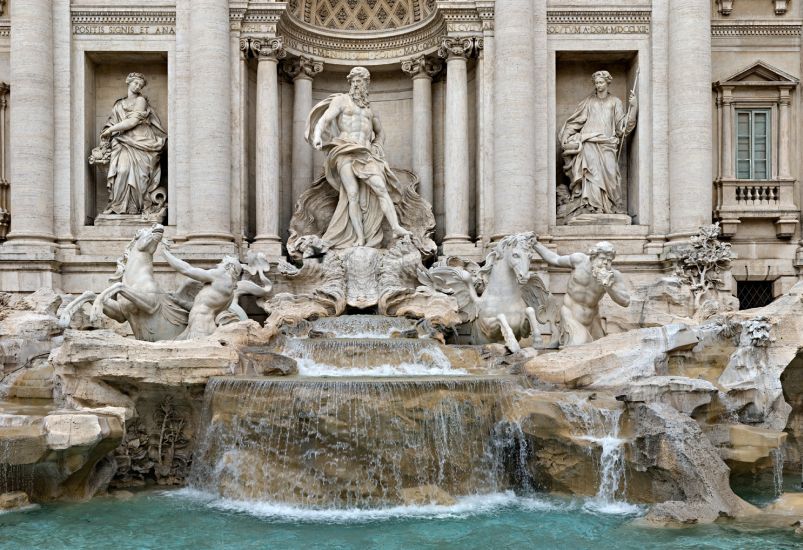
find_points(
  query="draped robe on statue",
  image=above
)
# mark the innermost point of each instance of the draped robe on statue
(364, 163)
(134, 169)
(590, 139)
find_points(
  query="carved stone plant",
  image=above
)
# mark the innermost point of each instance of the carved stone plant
(702, 263)
(156, 451)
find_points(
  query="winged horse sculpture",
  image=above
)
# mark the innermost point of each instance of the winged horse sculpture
(513, 301)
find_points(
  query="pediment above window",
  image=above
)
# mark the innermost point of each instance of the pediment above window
(759, 73)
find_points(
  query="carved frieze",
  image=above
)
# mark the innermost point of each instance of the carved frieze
(598, 22)
(721, 29)
(103, 22)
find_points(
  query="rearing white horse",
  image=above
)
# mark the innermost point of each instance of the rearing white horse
(513, 302)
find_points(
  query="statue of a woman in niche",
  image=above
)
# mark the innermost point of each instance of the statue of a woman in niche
(131, 143)
(592, 140)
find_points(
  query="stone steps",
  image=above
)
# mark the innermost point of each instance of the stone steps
(35, 384)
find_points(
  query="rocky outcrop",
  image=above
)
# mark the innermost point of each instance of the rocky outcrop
(59, 455)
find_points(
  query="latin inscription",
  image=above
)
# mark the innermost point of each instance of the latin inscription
(124, 29)
(566, 28)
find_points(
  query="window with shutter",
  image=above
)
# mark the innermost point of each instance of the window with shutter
(753, 144)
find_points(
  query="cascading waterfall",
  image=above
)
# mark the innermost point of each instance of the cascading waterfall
(368, 357)
(600, 426)
(352, 443)
(13, 477)
(363, 326)
(778, 459)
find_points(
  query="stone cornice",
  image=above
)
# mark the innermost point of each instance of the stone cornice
(756, 28)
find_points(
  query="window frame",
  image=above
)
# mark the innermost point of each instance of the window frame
(752, 111)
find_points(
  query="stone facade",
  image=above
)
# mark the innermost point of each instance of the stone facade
(472, 95)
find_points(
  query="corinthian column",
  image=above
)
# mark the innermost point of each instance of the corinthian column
(422, 70)
(302, 70)
(515, 125)
(690, 149)
(31, 140)
(268, 178)
(456, 152)
(210, 124)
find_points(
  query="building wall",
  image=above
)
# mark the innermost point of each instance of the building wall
(97, 47)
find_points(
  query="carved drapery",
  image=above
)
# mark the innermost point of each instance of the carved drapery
(5, 217)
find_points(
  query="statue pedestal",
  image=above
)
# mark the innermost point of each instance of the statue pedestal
(600, 219)
(125, 220)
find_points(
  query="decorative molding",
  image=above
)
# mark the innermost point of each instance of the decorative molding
(457, 47)
(781, 6)
(267, 48)
(755, 28)
(5, 30)
(421, 67)
(349, 15)
(598, 22)
(363, 47)
(302, 67)
(123, 22)
(725, 7)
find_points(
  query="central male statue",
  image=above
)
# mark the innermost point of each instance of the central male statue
(592, 277)
(345, 127)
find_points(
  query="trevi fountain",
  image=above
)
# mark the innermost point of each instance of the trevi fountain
(400, 274)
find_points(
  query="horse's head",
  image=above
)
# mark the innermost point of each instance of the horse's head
(146, 240)
(515, 252)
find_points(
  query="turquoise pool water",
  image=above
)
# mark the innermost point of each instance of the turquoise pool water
(183, 519)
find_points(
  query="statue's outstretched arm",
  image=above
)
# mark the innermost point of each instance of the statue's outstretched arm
(200, 275)
(551, 257)
(618, 290)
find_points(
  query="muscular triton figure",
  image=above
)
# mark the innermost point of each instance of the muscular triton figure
(592, 277)
(345, 127)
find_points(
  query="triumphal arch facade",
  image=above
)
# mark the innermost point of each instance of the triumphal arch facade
(632, 121)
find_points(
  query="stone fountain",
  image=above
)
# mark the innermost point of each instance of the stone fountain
(382, 376)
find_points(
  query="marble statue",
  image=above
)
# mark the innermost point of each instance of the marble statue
(592, 277)
(352, 135)
(221, 289)
(592, 139)
(514, 300)
(131, 144)
(136, 297)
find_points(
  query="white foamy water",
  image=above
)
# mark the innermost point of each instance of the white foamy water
(464, 507)
(308, 367)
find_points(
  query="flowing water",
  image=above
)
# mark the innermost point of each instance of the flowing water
(600, 427)
(778, 459)
(369, 357)
(183, 520)
(341, 443)
(363, 326)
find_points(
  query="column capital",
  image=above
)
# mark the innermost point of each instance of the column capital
(453, 48)
(421, 67)
(302, 67)
(267, 49)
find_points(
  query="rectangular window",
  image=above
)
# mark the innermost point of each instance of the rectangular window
(753, 144)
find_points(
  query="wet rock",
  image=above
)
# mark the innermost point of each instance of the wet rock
(14, 500)
(427, 494)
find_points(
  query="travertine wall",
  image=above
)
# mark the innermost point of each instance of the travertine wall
(540, 57)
